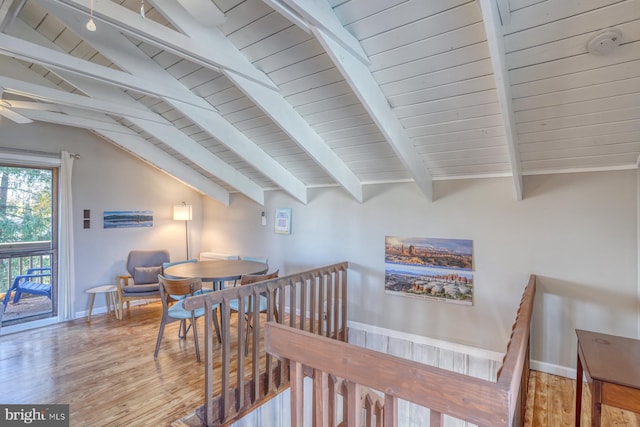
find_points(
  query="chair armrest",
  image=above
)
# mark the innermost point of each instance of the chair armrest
(122, 281)
(27, 277)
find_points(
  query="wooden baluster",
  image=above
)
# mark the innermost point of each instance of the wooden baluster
(343, 306)
(297, 395)
(390, 412)
(435, 418)
(313, 303)
(320, 398)
(368, 411)
(321, 300)
(225, 393)
(240, 352)
(336, 305)
(333, 393)
(282, 297)
(303, 305)
(354, 406)
(293, 303)
(255, 347)
(208, 370)
(379, 411)
(329, 305)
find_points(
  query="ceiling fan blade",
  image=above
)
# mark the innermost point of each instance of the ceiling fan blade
(12, 115)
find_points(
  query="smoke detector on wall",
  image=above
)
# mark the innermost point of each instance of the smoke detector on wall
(604, 42)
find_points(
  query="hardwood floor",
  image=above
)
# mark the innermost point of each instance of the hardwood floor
(106, 372)
(551, 402)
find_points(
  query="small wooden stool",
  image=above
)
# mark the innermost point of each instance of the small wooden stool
(109, 292)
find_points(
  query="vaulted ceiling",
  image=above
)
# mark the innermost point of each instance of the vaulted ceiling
(252, 95)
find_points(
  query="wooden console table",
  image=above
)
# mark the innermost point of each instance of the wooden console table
(612, 367)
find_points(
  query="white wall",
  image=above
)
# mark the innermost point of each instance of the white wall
(108, 178)
(576, 232)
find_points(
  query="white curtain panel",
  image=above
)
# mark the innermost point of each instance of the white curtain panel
(66, 264)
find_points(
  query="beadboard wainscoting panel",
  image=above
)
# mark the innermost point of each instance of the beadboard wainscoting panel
(455, 357)
(451, 356)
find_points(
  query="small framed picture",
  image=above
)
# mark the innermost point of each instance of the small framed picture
(283, 221)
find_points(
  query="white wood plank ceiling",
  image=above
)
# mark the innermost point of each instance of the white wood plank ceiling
(252, 95)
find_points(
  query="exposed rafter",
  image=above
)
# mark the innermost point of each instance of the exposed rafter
(318, 13)
(169, 164)
(504, 11)
(353, 93)
(21, 88)
(123, 52)
(32, 52)
(340, 45)
(130, 141)
(271, 102)
(122, 135)
(203, 11)
(223, 57)
(9, 9)
(493, 28)
(105, 96)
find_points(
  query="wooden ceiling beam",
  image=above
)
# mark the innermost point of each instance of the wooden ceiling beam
(339, 45)
(54, 60)
(9, 9)
(493, 28)
(319, 14)
(203, 11)
(167, 134)
(118, 133)
(278, 109)
(219, 53)
(138, 146)
(112, 44)
(18, 87)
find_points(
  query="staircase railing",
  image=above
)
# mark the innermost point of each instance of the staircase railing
(314, 301)
(355, 386)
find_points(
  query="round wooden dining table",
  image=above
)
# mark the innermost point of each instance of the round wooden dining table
(217, 271)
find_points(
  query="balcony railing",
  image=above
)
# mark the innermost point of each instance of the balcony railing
(314, 301)
(17, 258)
(346, 392)
(302, 337)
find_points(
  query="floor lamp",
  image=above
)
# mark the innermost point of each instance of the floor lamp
(183, 212)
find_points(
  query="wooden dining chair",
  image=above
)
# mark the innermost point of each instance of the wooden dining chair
(234, 305)
(172, 293)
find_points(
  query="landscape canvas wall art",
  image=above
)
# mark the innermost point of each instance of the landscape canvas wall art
(430, 268)
(125, 219)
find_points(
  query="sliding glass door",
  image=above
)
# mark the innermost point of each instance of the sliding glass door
(28, 242)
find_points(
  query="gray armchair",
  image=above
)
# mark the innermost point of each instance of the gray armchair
(143, 267)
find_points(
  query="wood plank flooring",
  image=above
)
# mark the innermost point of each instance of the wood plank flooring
(551, 402)
(106, 372)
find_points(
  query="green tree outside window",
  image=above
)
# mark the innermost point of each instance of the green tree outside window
(25, 216)
(25, 205)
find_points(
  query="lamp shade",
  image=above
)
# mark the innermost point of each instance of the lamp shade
(182, 212)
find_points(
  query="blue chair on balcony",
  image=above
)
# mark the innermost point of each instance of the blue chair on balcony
(32, 283)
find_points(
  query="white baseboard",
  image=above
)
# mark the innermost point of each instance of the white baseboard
(6, 330)
(552, 369)
(103, 309)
